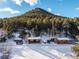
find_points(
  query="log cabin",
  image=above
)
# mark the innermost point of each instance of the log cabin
(33, 40)
(63, 40)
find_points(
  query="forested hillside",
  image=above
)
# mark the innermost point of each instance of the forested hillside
(39, 19)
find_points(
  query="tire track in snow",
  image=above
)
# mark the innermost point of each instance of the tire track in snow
(44, 52)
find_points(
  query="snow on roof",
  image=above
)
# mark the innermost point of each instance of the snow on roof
(63, 38)
(37, 38)
(17, 38)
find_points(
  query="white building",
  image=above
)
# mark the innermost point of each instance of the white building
(63, 40)
(17, 39)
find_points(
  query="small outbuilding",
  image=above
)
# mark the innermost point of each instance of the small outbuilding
(63, 40)
(32, 40)
(18, 41)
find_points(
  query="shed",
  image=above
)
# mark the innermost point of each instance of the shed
(34, 40)
(18, 40)
(63, 40)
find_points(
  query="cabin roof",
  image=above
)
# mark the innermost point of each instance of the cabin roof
(34, 38)
(63, 38)
(17, 38)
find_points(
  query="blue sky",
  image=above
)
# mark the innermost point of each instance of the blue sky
(68, 8)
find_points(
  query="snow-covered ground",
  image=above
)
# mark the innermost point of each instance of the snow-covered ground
(1, 55)
(55, 51)
(24, 52)
(38, 51)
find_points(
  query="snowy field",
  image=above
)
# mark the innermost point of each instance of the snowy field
(54, 51)
(24, 52)
(38, 51)
(41, 52)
